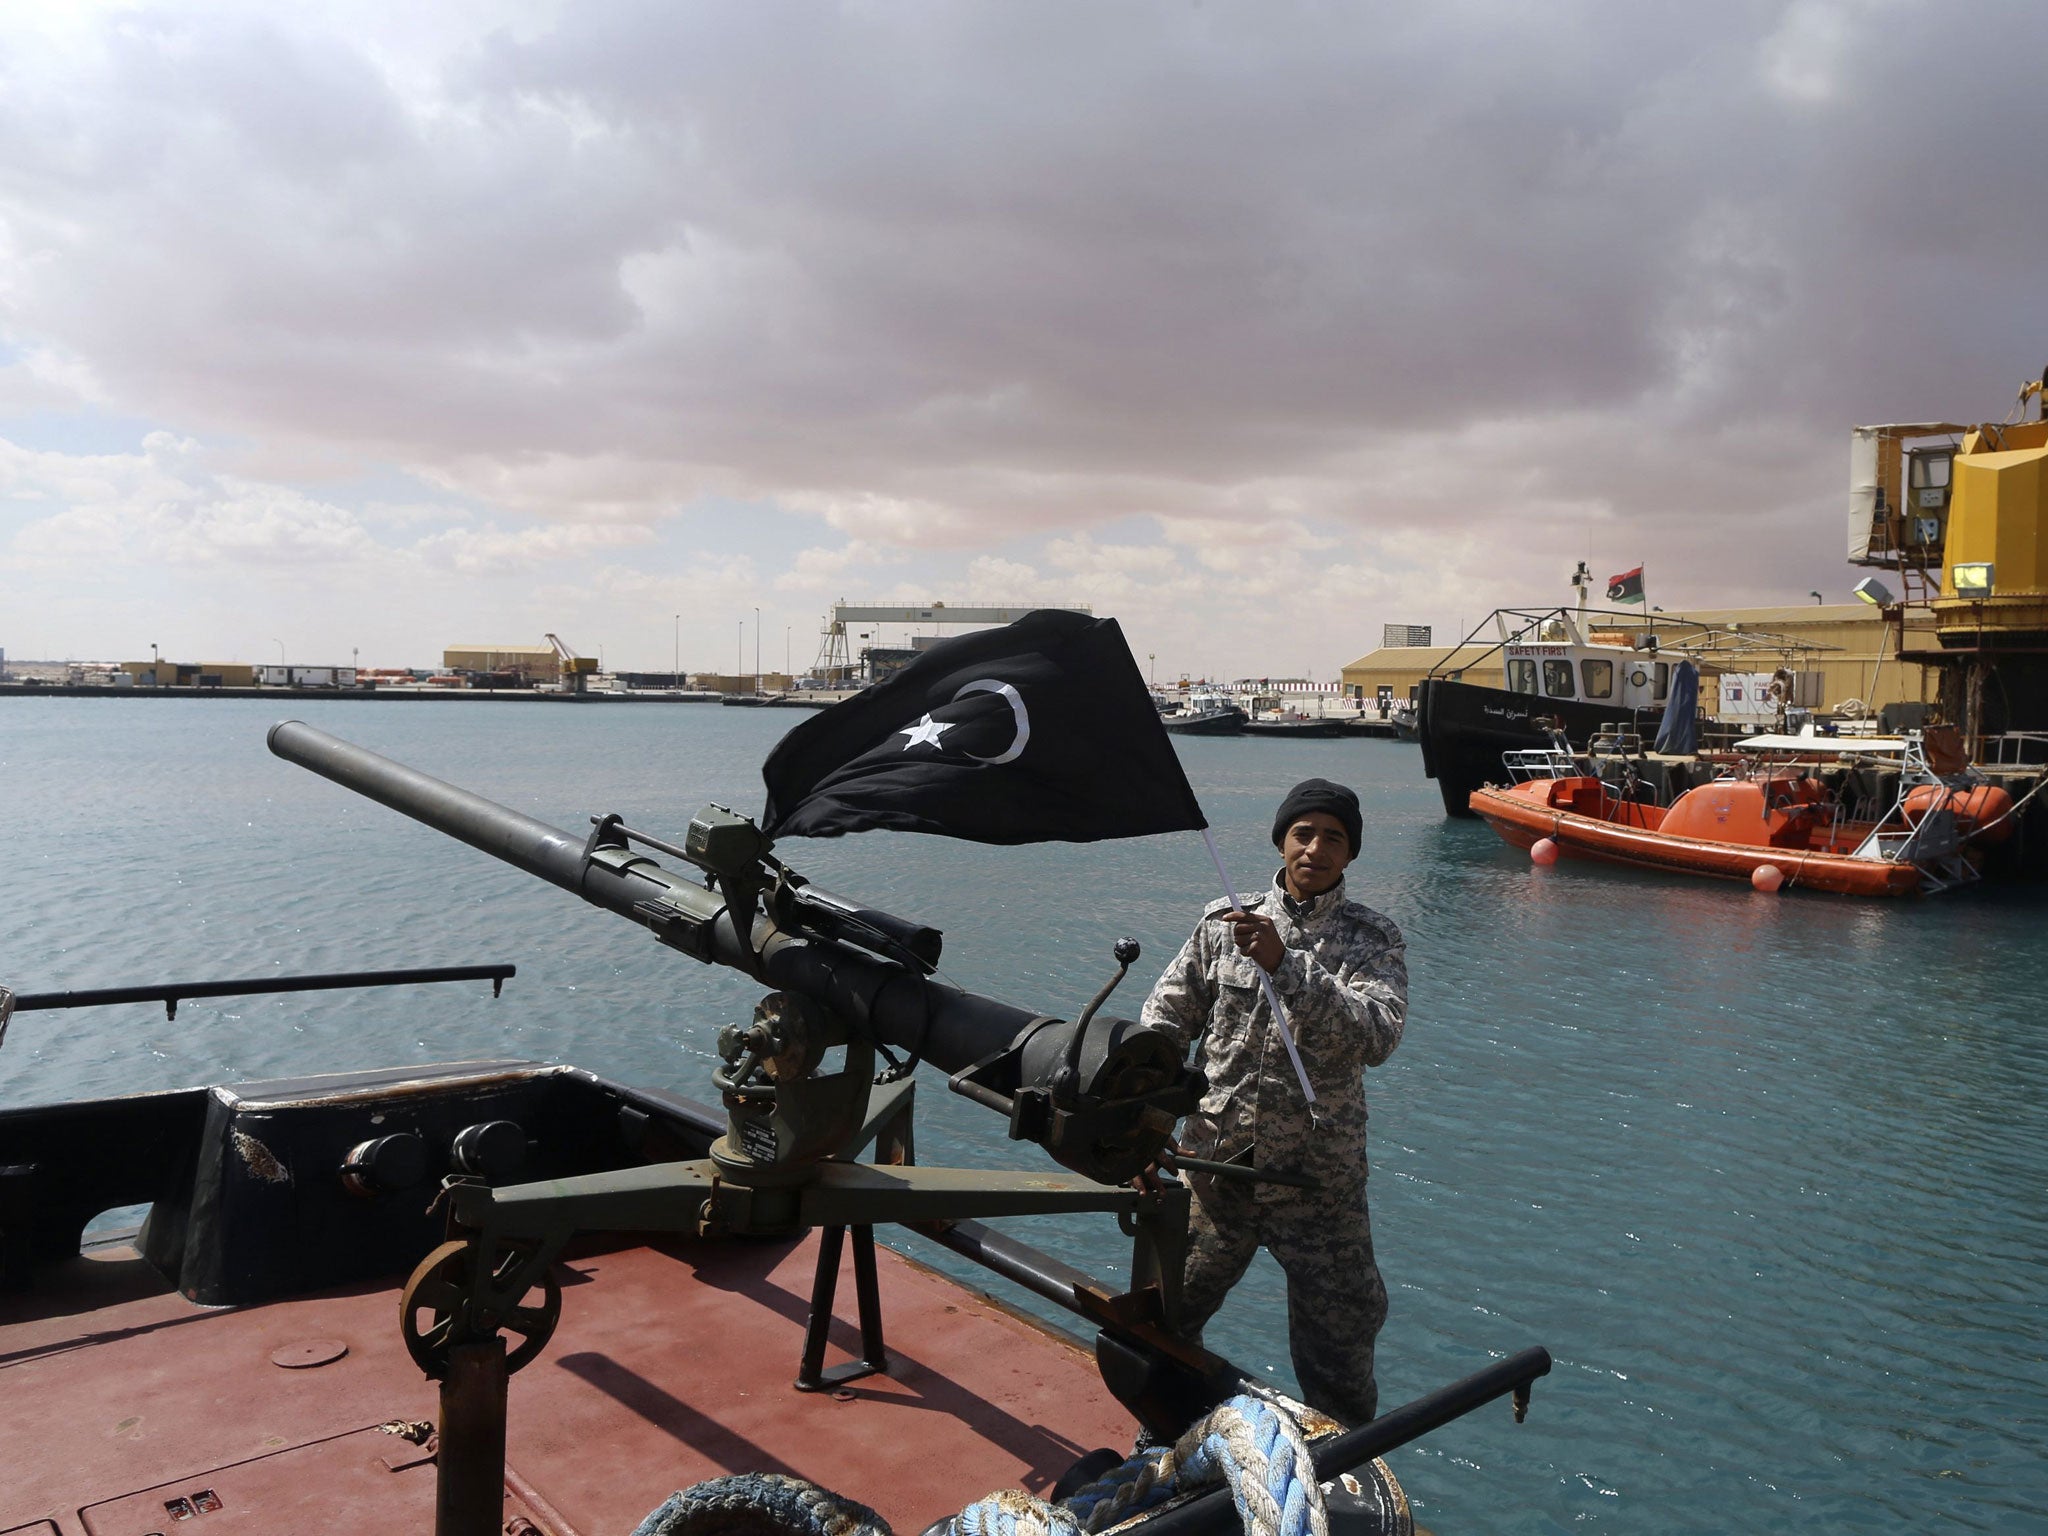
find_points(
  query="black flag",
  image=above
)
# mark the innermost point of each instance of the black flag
(1040, 731)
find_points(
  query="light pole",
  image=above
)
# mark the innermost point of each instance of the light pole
(785, 648)
(280, 649)
(675, 679)
(739, 664)
(1152, 661)
(757, 650)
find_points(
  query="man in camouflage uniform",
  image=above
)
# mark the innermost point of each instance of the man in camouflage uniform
(1339, 970)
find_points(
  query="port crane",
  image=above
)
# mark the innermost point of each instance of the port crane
(574, 669)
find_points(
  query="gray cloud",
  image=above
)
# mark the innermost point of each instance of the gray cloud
(1470, 284)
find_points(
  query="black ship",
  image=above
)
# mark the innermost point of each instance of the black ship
(1584, 672)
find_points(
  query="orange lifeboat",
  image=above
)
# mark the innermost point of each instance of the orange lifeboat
(1982, 811)
(1729, 828)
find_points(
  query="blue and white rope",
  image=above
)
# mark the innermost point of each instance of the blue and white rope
(1246, 1442)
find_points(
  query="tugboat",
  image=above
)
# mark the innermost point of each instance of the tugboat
(652, 1271)
(1585, 671)
(1269, 716)
(1205, 714)
(1295, 726)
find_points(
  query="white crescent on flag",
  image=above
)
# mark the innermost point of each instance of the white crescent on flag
(1016, 749)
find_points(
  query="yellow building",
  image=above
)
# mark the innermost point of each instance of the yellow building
(534, 663)
(1859, 664)
(190, 674)
(1394, 672)
(741, 682)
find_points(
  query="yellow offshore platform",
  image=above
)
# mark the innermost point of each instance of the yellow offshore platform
(1959, 517)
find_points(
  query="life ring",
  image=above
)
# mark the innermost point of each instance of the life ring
(1638, 677)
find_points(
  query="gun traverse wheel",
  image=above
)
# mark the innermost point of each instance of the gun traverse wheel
(437, 1295)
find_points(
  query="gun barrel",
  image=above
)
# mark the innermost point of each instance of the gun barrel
(503, 833)
(950, 1028)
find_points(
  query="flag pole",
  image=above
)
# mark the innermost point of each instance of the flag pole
(1265, 979)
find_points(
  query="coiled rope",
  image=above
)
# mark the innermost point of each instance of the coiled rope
(760, 1504)
(1247, 1442)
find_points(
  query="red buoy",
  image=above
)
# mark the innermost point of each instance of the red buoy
(1544, 851)
(1767, 877)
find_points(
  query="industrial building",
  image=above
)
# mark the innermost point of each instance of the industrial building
(839, 662)
(525, 663)
(164, 673)
(740, 682)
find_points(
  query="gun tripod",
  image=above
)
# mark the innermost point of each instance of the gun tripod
(484, 1304)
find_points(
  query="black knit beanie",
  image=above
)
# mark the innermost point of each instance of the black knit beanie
(1319, 795)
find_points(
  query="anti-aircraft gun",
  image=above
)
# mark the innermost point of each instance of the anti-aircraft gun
(799, 1084)
(803, 1100)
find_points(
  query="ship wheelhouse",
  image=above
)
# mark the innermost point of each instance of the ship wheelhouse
(1557, 659)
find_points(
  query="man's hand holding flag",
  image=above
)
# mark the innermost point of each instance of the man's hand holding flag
(1041, 731)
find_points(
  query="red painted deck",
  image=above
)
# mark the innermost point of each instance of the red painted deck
(125, 1409)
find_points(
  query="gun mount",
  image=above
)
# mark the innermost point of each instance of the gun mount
(802, 1099)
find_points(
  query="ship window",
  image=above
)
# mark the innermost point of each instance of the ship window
(1557, 679)
(1598, 677)
(1929, 468)
(1521, 675)
(1663, 678)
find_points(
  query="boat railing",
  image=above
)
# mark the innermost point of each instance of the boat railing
(1656, 634)
(1932, 843)
(1540, 763)
(2015, 749)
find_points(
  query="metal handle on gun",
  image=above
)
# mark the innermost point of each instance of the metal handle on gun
(1176, 1162)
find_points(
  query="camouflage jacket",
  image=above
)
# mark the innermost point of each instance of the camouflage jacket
(1344, 984)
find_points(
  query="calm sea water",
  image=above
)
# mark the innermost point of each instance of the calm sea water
(1765, 1174)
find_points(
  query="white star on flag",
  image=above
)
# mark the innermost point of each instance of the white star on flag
(926, 731)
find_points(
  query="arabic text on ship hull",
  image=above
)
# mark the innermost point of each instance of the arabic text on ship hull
(1464, 728)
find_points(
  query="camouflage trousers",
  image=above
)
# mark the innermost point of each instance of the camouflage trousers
(1336, 1301)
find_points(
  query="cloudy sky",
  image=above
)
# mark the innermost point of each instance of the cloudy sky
(339, 329)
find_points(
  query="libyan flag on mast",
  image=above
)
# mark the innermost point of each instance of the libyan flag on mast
(1041, 731)
(1627, 587)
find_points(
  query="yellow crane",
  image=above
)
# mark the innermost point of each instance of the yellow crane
(575, 669)
(1959, 515)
